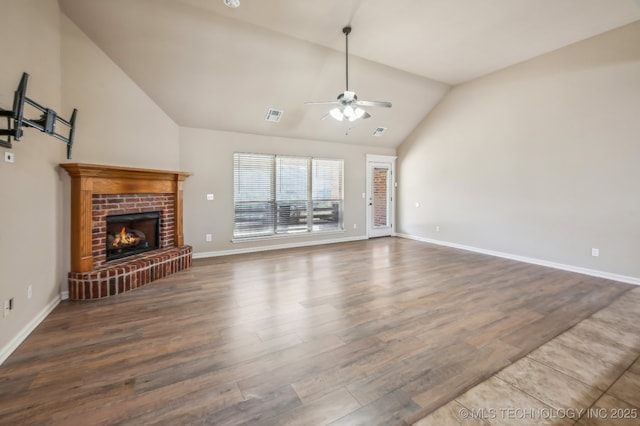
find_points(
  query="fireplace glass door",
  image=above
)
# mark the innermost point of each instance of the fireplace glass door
(129, 234)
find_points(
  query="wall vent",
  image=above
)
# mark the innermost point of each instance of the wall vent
(379, 131)
(273, 115)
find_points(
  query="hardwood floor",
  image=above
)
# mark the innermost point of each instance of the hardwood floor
(587, 376)
(369, 332)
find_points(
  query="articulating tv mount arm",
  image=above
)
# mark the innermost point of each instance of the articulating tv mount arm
(46, 123)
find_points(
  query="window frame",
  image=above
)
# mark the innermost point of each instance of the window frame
(316, 221)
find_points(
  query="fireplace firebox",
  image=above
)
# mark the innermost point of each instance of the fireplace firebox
(129, 234)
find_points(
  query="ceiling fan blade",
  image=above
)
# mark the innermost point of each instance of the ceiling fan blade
(323, 103)
(374, 103)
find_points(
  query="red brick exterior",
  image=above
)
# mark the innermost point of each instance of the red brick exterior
(380, 197)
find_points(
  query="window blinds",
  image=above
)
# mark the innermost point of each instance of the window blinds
(253, 195)
(284, 195)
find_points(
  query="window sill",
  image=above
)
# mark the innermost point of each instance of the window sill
(282, 236)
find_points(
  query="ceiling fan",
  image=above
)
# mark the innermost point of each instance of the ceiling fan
(348, 106)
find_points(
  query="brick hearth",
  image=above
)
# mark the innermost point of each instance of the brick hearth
(99, 191)
(129, 273)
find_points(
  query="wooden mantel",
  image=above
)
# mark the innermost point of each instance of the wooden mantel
(89, 179)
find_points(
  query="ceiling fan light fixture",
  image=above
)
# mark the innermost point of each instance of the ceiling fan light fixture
(349, 112)
(337, 114)
(347, 101)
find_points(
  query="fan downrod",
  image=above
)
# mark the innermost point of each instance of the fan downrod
(346, 30)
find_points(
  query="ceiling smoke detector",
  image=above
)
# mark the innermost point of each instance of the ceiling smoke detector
(232, 3)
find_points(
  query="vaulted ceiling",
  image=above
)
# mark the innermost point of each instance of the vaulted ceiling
(213, 67)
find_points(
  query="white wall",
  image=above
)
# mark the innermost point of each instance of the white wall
(209, 155)
(117, 124)
(539, 160)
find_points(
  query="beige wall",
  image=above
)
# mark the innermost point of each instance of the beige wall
(117, 124)
(540, 160)
(209, 155)
(30, 188)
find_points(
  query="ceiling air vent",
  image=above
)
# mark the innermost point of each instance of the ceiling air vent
(273, 115)
(379, 131)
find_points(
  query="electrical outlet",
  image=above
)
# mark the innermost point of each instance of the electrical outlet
(437, 228)
(355, 225)
(9, 157)
(210, 197)
(595, 252)
(208, 238)
(29, 291)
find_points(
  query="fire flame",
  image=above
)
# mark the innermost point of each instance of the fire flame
(125, 239)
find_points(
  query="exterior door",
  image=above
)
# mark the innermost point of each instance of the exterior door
(380, 196)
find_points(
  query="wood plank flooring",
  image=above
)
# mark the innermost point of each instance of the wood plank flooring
(368, 332)
(586, 376)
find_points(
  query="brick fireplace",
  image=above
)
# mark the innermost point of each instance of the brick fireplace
(100, 193)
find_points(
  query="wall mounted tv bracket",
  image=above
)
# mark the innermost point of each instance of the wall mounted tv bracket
(46, 123)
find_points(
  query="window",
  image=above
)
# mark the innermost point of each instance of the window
(253, 195)
(286, 195)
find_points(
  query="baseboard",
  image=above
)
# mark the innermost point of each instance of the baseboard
(275, 247)
(564, 267)
(24, 333)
